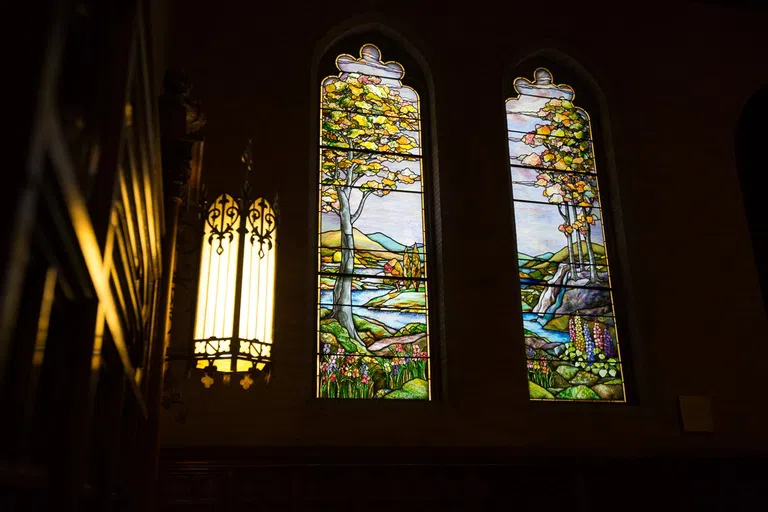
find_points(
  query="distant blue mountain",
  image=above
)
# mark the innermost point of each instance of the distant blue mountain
(546, 256)
(386, 242)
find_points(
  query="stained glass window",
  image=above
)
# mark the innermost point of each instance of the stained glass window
(571, 343)
(373, 325)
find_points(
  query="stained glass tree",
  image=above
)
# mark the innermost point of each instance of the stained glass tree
(371, 231)
(567, 299)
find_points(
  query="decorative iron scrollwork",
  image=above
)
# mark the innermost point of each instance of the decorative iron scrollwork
(222, 218)
(261, 224)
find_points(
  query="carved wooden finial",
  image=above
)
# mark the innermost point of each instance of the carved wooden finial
(182, 123)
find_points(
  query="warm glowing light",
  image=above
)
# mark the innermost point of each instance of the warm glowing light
(218, 269)
(246, 381)
(258, 294)
(238, 255)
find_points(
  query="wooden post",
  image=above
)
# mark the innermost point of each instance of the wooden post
(181, 125)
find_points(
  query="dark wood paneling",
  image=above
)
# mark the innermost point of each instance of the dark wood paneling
(457, 479)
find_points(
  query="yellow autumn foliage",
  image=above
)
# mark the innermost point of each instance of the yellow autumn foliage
(377, 91)
(361, 120)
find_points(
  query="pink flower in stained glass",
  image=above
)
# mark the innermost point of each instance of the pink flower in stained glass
(555, 194)
(555, 189)
(368, 79)
(532, 159)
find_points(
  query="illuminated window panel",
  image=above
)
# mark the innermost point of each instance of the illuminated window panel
(372, 315)
(571, 342)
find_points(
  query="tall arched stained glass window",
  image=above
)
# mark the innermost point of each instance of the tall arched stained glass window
(571, 343)
(373, 328)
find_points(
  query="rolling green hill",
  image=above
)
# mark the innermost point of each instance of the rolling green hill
(562, 254)
(330, 242)
(538, 258)
(548, 259)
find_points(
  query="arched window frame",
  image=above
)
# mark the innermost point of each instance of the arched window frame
(393, 48)
(588, 98)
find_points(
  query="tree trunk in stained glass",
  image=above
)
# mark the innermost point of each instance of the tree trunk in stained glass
(342, 289)
(591, 253)
(578, 242)
(569, 238)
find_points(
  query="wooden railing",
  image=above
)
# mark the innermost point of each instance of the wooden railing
(83, 267)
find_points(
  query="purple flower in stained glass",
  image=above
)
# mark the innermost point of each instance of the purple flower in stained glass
(589, 344)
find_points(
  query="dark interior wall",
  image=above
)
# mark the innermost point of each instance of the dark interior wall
(672, 83)
(753, 179)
